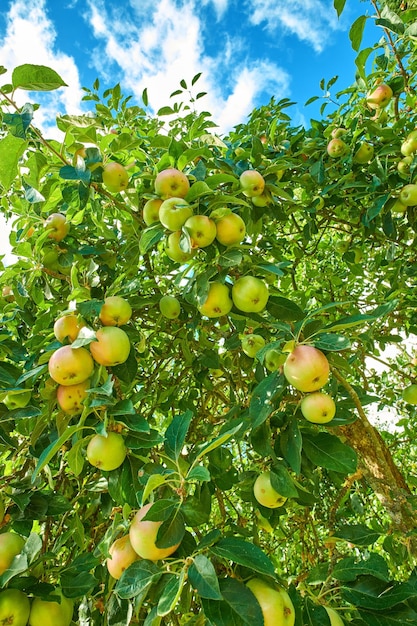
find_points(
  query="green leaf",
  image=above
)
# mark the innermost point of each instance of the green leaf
(291, 443)
(358, 534)
(11, 149)
(53, 448)
(284, 310)
(315, 615)
(118, 611)
(18, 123)
(198, 189)
(350, 568)
(218, 441)
(137, 579)
(401, 615)
(331, 342)
(244, 553)
(176, 434)
(36, 78)
(356, 32)
(371, 593)
(240, 599)
(351, 321)
(282, 481)
(171, 593)
(203, 578)
(171, 531)
(326, 450)
(199, 473)
(145, 97)
(339, 5)
(263, 396)
(154, 481)
(150, 237)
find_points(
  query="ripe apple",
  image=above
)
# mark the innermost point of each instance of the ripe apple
(171, 183)
(408, 195)
(51, 613)
(116, 311)
(70, 366)
(338, 132)
(71, 397)
(143, 537)
(404, 166)
(409, 145)
(218, 301)
(174, 250)
(150, 211)
(306, 368)
(273, 359)
(112, 346)
(169, 307)
(57, 226)
(277, 607)
(10, 546)
(265, 494)
(364, 153)
(17, 399)
(174, 212)
(318, 408)
(202, 230)
(230, 229)
(337, 148)
(335, 619)
(380, 97)
(252, 183)
(409, 394)
(115, 177)
(121, 556)
(106, 452)
(14, 607)
(398, 207)
(250, 294)
(252, 343)
(68, 327)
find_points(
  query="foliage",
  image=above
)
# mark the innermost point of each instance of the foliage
(201, 419)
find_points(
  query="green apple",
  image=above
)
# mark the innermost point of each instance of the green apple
(218, 301)
(306, 368)
(273, 359)
(252, 183)
(277, 607)
(250, 294)
(11, 545)
(364, 153)
(14, 607)
(338, 132)
(337, 148)
(379, 97)
(54, 613)
(174, 251)
(318, 408)
(404, 166)
(106, 452)
(398, 207)
(169, 307)
(17, 399)
(171, 183)
(174, 212)
(57, 226)
(230, 229)
(265, 494)
(252, 343)
(409, 145)
(202, 230)
(150, 211)
(115, 177)
(7, 293)
(263, 200)
(409, 394)
(408, 195)
(341, 246)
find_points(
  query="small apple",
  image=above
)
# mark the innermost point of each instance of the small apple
(51, 613)
(409, 145)
(14, 607)
(112, 346)
(273, 359)
(364, 153)
(335, 619)
(7, 293)
(337, 148)
(338, 132)
(408, 195)
(116, 311)
(174, 250)
(202, 230)
(115, 177)
(143, 536)
(218, 301)
(70, 366)
(121, 556)
(150, 211)
(341, 246)
(380, 97)
(71, 398)
(277, 607)
(230, 229)
(250, 294)
(263, 200)
(174, 212)
(11, 545)
(318, 408)
(17, 399)
(57, 226)
(306, 368)
(252, 183)
(171, 183)
(106, 452)
(404, 166)
(252, 343)
(265, 494)
(68, 327)
(409, 394)
(169, 307)
(398, 207)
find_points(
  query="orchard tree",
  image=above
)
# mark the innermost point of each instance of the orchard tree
(195, 332)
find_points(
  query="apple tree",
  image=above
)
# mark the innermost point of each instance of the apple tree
(203, 340)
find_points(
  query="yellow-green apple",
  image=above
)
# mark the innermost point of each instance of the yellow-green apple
(252, 343)
(379, 97)
(174, 251)
(338, 132)
(106, 452)
(404, 166)
(17, 399)
(202, 230)
(364, 153)
(115, 311)
(11, 545)
(174, 212)
(57, 612)
(169, 307)
(409, 394)
(335, 619)
(409, 145)
(262, 200)
(318, 407)
(230, 229)
(277, 607)
(68, 327)
(265, 494)
(121, 556)
(250, 294)
(218, 301)
(14, 607)
(306, 368)
(150, 211)
(143, 536)
(70, 366)
(342, 246)
(71, 397)
(252, 183)
(273, 359)
(398, 207)
(337, 148)
(7, 293)
(408, 195)
(112, 346)
(57, 226)
(115, 177)
(171, 183)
